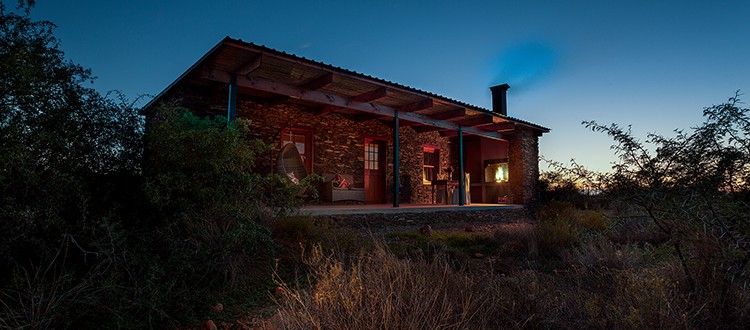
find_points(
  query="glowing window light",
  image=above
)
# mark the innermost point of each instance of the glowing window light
(496, 172)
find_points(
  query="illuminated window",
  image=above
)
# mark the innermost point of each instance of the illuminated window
(431, 164)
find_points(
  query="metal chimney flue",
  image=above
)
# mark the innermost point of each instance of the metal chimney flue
(499, 98)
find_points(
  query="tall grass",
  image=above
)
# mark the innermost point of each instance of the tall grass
(378, 290)
(535, 278)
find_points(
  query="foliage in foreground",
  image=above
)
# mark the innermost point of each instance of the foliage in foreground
(380, 291)
(94, 235)
(663, 242)
(592, 281)
(690, 190)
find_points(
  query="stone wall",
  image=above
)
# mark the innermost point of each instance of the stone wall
(339, 143)
(338, 140)
(412, 158)
(523, 165)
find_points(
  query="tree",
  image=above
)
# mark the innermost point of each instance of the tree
(68, 155)
(694, 186)
(95, 234)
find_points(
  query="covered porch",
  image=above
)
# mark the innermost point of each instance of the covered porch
(397, 143)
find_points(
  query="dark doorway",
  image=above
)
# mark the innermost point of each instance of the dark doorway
(374, 171)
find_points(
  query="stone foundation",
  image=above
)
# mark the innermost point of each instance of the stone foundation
(379, 223)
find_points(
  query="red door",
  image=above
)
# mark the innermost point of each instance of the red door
(374, 171)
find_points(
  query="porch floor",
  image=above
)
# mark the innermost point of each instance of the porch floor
(318, 210)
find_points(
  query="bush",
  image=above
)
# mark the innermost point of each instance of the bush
(555, 228)
(69, 180)
(210, 241)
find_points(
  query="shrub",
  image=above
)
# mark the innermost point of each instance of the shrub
(591, 220)
(555, 227)
(69, 180)
(211, 240)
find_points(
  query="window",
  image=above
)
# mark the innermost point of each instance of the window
(431, 165)
(302, 139)
(371, 156)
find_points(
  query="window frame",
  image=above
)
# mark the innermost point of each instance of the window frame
(434, 168)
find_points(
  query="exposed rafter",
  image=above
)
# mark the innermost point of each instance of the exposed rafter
(416, 106)
(337, 100)
(449, 114)
(318, 82)
(500, 127)
(449, 133)
(250, 66)
(474, 120)
(423, 129)
(402, 122)
(372, 95)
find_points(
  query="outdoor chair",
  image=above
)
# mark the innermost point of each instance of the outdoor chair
(289, 164)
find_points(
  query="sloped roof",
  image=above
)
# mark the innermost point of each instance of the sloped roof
(267, 72)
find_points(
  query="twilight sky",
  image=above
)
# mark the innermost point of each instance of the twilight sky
(652, 64)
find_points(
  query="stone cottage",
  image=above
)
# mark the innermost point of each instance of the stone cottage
(396, 143)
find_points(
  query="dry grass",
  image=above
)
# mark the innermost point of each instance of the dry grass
(518, 239)
(378, 290)
(44, 298)
(570, 273)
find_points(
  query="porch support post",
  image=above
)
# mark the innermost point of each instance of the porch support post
(232, 103)
(461, 178)
(396, 160)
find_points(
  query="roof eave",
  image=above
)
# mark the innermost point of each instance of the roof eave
(338, 70)
(166, 90)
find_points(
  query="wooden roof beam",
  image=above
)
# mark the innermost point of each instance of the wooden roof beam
(448, 133)
(338, 100)
(372, 95)
(424, 129)
(500, 127)
(319, 82)
(403, 123)
(250, 66)
(416, 106)
(474, 120)
(450, 114)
